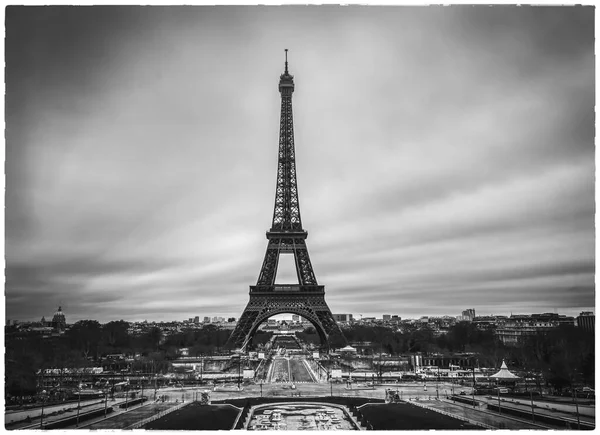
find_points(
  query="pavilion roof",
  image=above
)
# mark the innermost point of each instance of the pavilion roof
(504, 373)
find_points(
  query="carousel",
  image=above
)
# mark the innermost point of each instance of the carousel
(505, 377)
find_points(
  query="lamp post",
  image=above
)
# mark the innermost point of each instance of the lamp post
(532, 410)
(261, 384)
(42, 415)
(154, 367)
(437, 383)
(78, 403)
(105, 401)
(473, 387)
(201, 366)
(499, 408)
(577, 409)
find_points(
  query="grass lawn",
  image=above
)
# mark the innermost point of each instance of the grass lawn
(197, 417)
(299, 372)
(398, 416)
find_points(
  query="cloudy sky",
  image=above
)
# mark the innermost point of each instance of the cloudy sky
(445, 157)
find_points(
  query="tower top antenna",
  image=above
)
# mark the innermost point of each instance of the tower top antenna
(286, 64)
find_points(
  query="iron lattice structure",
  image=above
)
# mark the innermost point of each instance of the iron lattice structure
(286, 236)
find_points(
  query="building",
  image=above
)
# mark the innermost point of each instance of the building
(207, 320)
(469, 314)
(586, 321)
(386, 317)
(295, 318)
(489, 322)
(228, 325)
(197, 319)
(463, 361)
(519, 326)
(342, 317)
(59, 320)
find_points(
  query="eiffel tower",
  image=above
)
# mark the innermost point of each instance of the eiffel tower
(286, 236)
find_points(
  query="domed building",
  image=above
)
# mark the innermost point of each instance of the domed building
(59, 321)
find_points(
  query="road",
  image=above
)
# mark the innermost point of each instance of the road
(406, 391)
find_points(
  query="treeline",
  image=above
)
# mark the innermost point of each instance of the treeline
(563, 355)
(87, 341)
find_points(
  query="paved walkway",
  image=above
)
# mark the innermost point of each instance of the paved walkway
(559, 410)
(480, 415)
(124, 419)
(584, 410)
(63, 410)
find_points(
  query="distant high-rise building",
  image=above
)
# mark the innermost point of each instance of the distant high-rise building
(387, 317)
(207, 320)
(469, 313)
(295, 318)
(586, 320)
(197, 319)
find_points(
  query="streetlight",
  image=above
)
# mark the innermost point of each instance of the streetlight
(154, 369)
(43, 393)
(105, 400)
(473, 387)
(499, 408)
(577, 409)
(78, 402)
(201, 366)
(437, 383)
(261, 384)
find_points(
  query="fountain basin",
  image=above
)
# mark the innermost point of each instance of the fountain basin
(300, 416)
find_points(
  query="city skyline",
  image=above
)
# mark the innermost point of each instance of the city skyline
(445, 157)
(288, 316)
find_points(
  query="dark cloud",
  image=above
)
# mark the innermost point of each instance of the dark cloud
(445, 156)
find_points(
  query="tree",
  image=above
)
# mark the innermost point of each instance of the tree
(115, 334)
(154, 337)
(85, 336)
